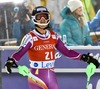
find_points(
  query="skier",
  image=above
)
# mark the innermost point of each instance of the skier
(41, 43)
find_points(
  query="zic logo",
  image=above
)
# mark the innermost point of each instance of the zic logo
(35, 38)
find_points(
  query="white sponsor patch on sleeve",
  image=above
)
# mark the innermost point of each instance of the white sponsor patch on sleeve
(54, 36)
(35, 38)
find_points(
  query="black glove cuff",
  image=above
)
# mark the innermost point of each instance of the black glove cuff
(86, 58)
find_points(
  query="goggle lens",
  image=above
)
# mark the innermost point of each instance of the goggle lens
(39, 16)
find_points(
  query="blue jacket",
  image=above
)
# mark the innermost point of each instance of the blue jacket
(28, 26)
(94, 24)
(16, 32)
(75, 35)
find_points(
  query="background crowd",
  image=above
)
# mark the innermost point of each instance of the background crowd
(15, 19)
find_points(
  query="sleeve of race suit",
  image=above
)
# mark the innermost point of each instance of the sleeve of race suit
(25, 45)
(67, 52)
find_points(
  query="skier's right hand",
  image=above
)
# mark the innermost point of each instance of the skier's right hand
(9, 64)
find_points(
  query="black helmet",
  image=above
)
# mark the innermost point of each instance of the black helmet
(40, 10)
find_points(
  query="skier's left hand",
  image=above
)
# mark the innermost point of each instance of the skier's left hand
(90, 59)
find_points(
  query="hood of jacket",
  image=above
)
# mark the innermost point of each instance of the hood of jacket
(66, 15)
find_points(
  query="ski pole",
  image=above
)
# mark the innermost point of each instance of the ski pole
(23, 70)
(90, 70)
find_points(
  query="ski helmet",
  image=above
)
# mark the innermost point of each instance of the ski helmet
(40, 12)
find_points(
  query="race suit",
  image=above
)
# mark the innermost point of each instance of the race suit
(41, 51)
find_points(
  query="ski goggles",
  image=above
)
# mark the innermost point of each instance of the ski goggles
(39, 16)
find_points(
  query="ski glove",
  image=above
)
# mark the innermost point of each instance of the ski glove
(9, 64)
(89, 59)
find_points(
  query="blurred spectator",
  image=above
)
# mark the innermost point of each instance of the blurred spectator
(55, 7)
(74, 25)
(94, 25)
(16, 31)
(23, 24)
(28, 24)
(30, 6)
(96, 5)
